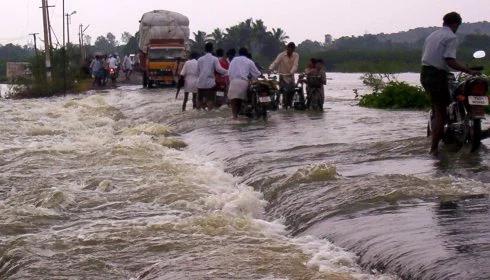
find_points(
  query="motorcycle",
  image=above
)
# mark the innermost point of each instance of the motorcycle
(299, 102)
(469, 95)
(113, 75)
(262, 95)
(314, 95)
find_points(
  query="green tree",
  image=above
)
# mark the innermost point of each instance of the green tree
(200, 40)
(112, 40)
(280, 35)
(102, 45)
(131, 46)
(217, 37)
(125, 37)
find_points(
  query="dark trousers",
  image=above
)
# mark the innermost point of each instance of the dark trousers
(435, 82)
(186, 98)
(206, 98)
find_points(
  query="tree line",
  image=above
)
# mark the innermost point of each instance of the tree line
(368, 53)
(263, 43)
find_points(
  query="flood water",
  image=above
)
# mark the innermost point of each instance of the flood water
(119, 184)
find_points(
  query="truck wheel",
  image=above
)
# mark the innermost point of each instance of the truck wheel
(145, 80)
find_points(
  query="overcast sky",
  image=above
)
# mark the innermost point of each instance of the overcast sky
(306, 19)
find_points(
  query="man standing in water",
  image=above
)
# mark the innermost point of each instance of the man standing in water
(189, 72)
(207, 66)
(241, 69)
(438, 59)
(286, 64)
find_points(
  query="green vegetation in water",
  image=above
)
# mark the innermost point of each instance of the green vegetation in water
(388, 93)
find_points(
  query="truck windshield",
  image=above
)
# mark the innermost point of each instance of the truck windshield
(165, 54)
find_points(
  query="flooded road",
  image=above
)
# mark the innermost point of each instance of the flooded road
(120, 185)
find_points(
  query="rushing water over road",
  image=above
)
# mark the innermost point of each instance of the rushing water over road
(101, 186)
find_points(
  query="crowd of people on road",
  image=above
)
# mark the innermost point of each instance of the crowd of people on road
(105, 67)
(218, 78)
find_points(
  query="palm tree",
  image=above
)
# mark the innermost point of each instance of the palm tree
(200, 40)
(259, 35)
(279, 35)
(258, 27)
(218, 36)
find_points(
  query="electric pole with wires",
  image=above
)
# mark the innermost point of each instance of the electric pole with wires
(47, 43)
(35, 41)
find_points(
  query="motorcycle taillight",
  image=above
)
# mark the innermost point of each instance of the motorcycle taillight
(478, 89)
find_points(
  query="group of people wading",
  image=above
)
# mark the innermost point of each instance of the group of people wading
(224, 78)
(231, 75)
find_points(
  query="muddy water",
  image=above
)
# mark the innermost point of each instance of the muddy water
(120, 185)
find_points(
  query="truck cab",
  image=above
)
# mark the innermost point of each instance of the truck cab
(162, 62)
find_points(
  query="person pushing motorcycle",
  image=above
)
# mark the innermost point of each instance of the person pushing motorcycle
(286, 64)
(438, 58)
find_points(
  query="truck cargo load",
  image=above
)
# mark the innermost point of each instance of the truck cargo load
(161, 25)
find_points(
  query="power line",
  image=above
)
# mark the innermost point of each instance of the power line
(56, 37)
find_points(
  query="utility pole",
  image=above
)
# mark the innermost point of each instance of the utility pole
(68, 21)
(64, 49)
(46, 39)
(82, 49)
(49, 26)
(63, 17)
(80, 42)
(35, 40)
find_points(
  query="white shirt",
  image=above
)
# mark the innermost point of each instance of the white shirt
(241, 67)
(112, 62)
(285, 64)
(127, 65)
(207, 66)
(189, 71)
(441, 44)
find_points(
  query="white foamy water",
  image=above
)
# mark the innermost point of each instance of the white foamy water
(92, 187)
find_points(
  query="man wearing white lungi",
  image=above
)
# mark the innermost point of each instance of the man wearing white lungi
(190, 74)
(240, 72)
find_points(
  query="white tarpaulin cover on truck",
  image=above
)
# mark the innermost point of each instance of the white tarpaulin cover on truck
(160, 24)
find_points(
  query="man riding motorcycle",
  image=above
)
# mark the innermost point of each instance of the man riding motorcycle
(113, 69)
(315, 81)
(439, 57)
(286, 64)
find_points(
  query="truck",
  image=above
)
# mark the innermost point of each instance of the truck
(163, 47)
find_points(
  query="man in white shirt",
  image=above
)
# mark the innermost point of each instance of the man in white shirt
(112, 61)
(190, 74)
(207, 66)
(127, 67)
(286, 64)
(241, 69)
(438, 59)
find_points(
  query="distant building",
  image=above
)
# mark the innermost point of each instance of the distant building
(17, 70)
(328, 40)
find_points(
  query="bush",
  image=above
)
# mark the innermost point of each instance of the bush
(396, 95)
(39, 86)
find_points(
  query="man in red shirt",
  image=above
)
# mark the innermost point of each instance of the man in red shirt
(222, 81)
